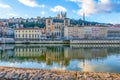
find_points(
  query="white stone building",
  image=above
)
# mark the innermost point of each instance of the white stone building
(113, 32)
(87, 32)
(73, 32)
(28, 34)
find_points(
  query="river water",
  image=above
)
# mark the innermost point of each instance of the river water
(61, 57)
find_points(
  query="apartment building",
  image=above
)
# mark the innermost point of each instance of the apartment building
(73, 32)
(27, 34)
(102, 33)
(113, 33)
(95, 32)
(87, 32)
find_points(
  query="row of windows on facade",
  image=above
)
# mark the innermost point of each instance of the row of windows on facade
(36, 50)
(74, 32)
(113, 32)
(25, 54)
(56, 33)
(55, 24)
(113, 35)
(58, 27)
(26, 49)
(30, 35)
(28, 31)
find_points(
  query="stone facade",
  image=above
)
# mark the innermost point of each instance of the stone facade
(87, 32)
(55, 27)
(73, 32)
(113, 33)
(26, 34)
(94, 32)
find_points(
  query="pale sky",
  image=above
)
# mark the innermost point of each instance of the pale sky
(107, 11)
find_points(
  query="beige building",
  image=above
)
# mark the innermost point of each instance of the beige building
(113, 32)
(0, 31)
(95, 32)
(73, 32)
(27, 34)
(55, 27)
(87, 32)
(103, 32)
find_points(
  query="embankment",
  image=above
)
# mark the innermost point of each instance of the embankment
(11, 73)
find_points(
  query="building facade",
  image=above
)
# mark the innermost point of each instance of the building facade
(102, 33)
(95, 32)
(113, 33)
(0, 31)
(73, 32)
(87, 32)
(55, 27)
(27, 34)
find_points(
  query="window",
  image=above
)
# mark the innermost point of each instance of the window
(33, 36)
(23, 35)
(29, 35)
(49, 22)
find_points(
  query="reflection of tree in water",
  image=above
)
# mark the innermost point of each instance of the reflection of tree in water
(55, 54)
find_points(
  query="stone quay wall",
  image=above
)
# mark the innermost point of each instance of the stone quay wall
(11, 73)
(94, 41)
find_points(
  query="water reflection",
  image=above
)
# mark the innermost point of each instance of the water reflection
(69, 57)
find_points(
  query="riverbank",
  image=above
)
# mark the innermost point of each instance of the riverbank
(72, 42)
(12, 41)
(11, 73)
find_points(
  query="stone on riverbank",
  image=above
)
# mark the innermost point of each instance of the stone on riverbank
(10, 73)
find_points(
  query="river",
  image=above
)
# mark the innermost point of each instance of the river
(61, 57)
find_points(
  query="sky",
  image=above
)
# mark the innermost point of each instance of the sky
(104, 11)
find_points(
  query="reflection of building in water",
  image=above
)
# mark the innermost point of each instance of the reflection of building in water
(6, 54)
(55, 54)
(48, 54)
(85, 53)
(6, 46)
(6, 51)
(28, 51)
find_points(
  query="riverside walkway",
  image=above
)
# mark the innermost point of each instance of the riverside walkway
(11, 73)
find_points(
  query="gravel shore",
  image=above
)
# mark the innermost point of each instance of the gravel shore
(11, 73)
